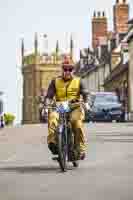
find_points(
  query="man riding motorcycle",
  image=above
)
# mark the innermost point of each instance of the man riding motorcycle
(67, 87)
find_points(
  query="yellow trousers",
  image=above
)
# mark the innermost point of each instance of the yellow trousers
(76, 119)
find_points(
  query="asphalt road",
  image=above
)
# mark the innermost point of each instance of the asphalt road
(27, 171)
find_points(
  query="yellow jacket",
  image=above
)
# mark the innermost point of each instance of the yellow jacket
(67, 90)
(63, 90)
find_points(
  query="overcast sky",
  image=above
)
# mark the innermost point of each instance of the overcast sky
(56, 18)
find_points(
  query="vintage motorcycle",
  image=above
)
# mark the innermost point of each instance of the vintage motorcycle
(67, 148)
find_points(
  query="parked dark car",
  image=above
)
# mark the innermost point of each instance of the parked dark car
(105, 106)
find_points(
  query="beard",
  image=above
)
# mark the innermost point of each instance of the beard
(67, 77)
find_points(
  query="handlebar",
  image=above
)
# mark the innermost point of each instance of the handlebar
(71, 104)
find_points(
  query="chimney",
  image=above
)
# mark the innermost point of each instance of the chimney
(99, 28)
(121, 17)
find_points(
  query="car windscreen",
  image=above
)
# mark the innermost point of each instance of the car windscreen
(102, 98)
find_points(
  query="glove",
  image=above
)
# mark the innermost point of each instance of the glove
(48, 102)
(87, 106)
(44, 111)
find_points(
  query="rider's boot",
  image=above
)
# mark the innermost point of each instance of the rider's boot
(82, 155)
(53, 148)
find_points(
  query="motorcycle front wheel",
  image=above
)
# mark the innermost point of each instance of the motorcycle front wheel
(62, 152)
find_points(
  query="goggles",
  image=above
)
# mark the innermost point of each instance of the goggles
(67, 69)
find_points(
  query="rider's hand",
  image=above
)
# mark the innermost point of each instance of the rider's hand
(87, 106)
(46, 110)
(47, 102)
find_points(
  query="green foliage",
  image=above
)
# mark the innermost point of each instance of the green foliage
(9, 118)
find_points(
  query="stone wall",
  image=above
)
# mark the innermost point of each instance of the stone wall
(35, 77)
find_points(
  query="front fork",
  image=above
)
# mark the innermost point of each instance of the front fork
(69, 145)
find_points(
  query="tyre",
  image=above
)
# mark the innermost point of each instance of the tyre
(75, 164)
(62, 151)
